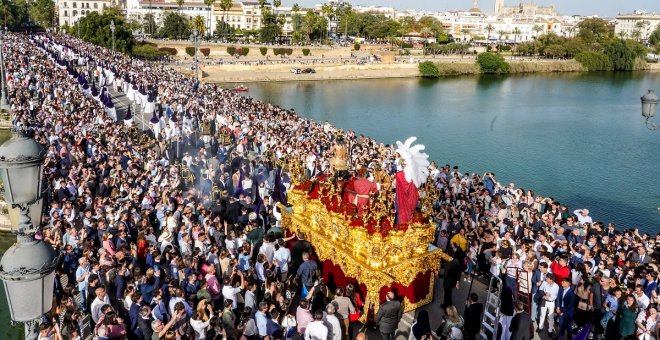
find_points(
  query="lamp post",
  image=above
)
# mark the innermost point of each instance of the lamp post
(649, 106)
(27, 269)
(112, 28)
(194, 39)
(4, 105)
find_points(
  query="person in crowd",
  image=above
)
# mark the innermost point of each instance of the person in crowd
(472, 316)
(388, 316)
(451, 325)
(521, 327)
(421, 328)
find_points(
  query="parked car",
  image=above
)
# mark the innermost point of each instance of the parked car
(309, 70)
(296, 70)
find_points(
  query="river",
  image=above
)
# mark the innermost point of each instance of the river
(577, 137)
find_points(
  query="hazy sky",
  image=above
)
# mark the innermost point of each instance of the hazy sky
(565, 7)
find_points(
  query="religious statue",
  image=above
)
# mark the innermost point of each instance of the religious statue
(412, 172)
(361, 192)
(382, 178)
(339, 160)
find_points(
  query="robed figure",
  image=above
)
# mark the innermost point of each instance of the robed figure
(361, 191)
(413, 172)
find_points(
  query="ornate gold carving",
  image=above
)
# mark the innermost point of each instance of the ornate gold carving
(372, 259)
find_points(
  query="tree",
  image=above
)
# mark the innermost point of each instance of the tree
(14, 13)
(489, 28)
(295, 8)
(500, 33)
(555, 51)
(492, 63)
(225, 5)
(95, 28)
(538, 29)
(654, 38)
(209, 4)
(466, 33)
(222, 29)
(621, 56)
(180, 4)
(277, 4)
(199, 24)
(594, 30)
(149, 23)
(270, 28)
(42, 12)
(516, 32)
(429, 69)
(175, 26)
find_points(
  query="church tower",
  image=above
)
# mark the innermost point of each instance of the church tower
(499, 7)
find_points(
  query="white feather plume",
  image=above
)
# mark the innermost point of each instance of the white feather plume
(417, 162)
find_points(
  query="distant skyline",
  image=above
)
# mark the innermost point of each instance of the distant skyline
(603, 8)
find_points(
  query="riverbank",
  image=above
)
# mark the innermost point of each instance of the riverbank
(242, 73)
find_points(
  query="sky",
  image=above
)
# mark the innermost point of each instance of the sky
(603, 8)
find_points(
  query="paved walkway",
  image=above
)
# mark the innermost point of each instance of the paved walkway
(121, 102)
(437, 314)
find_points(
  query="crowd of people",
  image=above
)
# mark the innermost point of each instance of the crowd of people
(149, 253)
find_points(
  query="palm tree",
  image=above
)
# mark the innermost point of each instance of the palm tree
(209, 4)
(537, 29)
(180, 4)
(622, 34)
(516, 32)
(226, 6)
(198, 23)
(637, 34)
(465, 33)
(276, 5)
(295, 8)
(500, 33)
(489, 28)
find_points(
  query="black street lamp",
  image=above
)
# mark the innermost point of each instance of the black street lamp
(194, 39)
(4, 105)
(112, 28)
(27, 269)
(649, 106)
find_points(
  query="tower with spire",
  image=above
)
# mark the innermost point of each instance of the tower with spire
(499, 7)
(475, 7)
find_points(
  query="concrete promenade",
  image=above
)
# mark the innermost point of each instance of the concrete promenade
(436, 313)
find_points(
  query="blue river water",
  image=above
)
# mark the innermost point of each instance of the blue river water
(577, 137)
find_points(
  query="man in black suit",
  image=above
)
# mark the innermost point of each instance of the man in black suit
(388, 317)
(566, 308)
(472, 317)
(521, 324)
(144, 330)
(452, 278)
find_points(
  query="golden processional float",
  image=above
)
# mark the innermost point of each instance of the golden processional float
(369, 250)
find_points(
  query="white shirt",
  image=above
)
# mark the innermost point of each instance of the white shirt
(229, 292)
(643, 301)
(316, 330)
(333, 325)
(552, 290)
(200, 327)
(267, 249)
(283, 257)
(96, 307)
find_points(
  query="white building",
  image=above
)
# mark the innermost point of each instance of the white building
(638, 25)
(70, 11)
(243, 15)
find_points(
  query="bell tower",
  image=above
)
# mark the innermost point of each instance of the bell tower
(499, 7)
